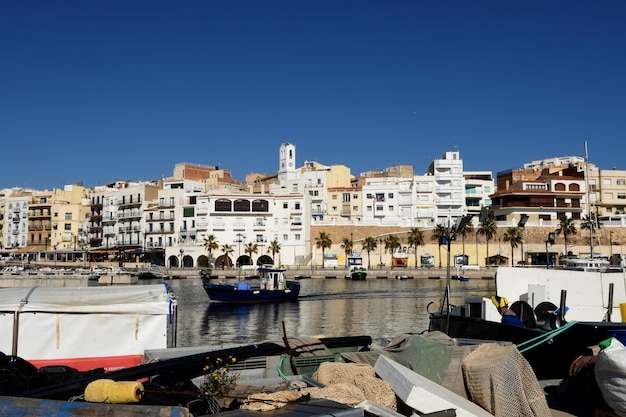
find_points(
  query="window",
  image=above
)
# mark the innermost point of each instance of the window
(390, 195)
(297, 206)
(346, 198)
(222, 205)
(188, 211)
(390, 208)
(67, 226)
(68, 216)
(285, 205)
(260, 206)
(380, 196)
(620, 182)
(621, 196)
(285, 237)
(296, 236)
(192, 200)
(355, 196)
(334, 196)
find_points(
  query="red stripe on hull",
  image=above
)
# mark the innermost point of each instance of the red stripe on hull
(109, 363)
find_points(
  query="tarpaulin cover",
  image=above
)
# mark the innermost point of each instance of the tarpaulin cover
(40, 323)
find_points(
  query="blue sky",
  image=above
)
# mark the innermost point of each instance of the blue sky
(97, 91)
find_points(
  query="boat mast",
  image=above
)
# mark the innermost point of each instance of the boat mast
(591, 223)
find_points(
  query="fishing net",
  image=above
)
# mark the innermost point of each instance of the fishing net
(500, 380)
(352, 383)
(329, 372)
(270, 401)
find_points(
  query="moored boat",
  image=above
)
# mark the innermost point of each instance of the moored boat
(547, 341)
(356, 270)
(357, 273)
(270, 287)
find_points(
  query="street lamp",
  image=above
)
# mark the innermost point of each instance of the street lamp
(380, 253)
(240, 238)
(521, 224)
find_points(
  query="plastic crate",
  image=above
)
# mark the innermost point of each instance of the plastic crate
(305, 365)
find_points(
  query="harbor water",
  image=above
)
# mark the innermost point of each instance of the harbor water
(380, 308)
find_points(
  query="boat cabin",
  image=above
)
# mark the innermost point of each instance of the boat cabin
(354, 259)
(272, 279)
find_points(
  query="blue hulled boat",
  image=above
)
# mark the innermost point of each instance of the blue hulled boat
(270, 287)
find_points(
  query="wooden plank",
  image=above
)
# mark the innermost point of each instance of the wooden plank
(422, 394)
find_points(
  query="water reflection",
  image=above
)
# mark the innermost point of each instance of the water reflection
(329, 307)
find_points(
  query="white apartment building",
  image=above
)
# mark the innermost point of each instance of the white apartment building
(478, 186)
(15, 226)
(449, 187)
(424, 201)
(388, 201)
(240, 220)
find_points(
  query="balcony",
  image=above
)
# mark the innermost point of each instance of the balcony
(219, 225)
(129, 214)
(202, 210)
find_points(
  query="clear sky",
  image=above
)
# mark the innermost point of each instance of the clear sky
(97, 91)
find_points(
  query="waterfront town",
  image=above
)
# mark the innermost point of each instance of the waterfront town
(311, 215)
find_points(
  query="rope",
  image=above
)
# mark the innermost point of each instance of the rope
(543, 337)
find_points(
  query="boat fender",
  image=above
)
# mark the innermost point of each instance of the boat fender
(113, 392)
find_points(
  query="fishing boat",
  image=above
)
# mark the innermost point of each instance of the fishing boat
(270, 287)
(357, 273)
(106, 327)
(356, 270)
(564, 312)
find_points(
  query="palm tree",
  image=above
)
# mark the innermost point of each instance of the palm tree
(251, 248)
(392, 243)
(487, 228)
(467, 229)
(323, 242)
(274, 248)
(439, 232)
(347, 247)
(415, 239)
(513, 235)
(227, 249)
(211, 244)
(566, 228)
(369, 245)
(591, 224)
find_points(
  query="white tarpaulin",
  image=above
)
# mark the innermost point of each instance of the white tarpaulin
(61, 325)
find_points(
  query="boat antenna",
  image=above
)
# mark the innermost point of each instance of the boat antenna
(591, 222)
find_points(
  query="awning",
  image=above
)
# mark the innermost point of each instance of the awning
(31, 248)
